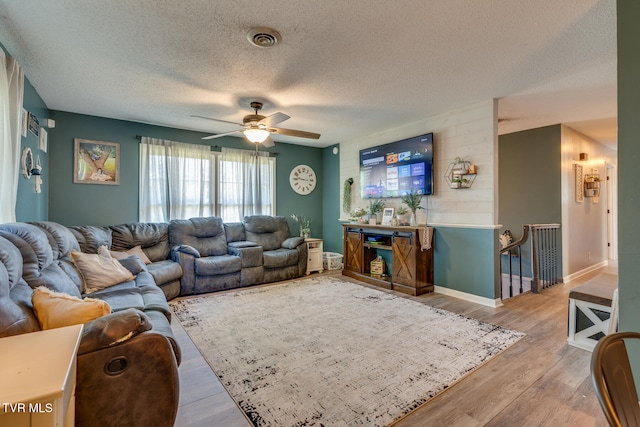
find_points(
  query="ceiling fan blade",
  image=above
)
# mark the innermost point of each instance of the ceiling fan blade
(268, 142)
(274, 119)
(218, 120)
(292, 132)
(218, 135)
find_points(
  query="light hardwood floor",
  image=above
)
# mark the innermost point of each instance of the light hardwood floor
(539, 381)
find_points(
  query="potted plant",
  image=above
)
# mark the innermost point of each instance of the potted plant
(401, 213)
(412, 200)
(375, 207)
(304, 224)
(358, 214)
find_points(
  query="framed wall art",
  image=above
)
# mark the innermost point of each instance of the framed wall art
(96, 162)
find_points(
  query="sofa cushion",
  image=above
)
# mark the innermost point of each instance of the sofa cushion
(16, 316)
(218, 265)
(91, 237)
(280, 258)
(206, 235)
(153, 238)
(234, 232)
(61, 239)
(99, 271)
(55, 309)
(38, 265)
(165, 271)
(136, 250)
(121, 296)
(267, 231)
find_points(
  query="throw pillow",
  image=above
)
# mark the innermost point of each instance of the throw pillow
(133, 251)
(56, 309)
(99, 271)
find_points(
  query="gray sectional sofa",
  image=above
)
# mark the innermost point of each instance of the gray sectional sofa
(215, 256)
(127, 372)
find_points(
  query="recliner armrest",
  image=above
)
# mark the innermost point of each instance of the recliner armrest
(112, 329)
(292, 242)
(186, 249)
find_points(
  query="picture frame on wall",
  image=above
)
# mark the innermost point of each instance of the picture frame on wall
(24, 125)
(96, 162)
(44, 139)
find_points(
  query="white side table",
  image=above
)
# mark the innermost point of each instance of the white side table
(38, 372)
(314, 254)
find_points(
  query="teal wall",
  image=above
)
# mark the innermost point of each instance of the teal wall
(628, 171)
(331, 200)
(529, 183)
(32, 206)
(76, 204)
(467, 260)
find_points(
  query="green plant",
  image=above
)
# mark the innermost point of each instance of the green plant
(412, 200)
(402, 210)
(303, 223)
(358, 213)
(376, 206)
(346, 194)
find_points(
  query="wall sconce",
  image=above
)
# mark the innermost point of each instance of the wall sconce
(584, 157)
(37, 172)
(29, 168)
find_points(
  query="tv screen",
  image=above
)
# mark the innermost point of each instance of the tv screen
(394, 169)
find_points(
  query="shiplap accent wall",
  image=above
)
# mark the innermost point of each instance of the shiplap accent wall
(469, 132)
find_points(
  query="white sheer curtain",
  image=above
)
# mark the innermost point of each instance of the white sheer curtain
(11, 97)
(176, 180)
(247, 180)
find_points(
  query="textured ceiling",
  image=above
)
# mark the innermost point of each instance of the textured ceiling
(343, 69)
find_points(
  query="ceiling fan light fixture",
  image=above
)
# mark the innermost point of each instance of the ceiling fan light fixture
(256, 135)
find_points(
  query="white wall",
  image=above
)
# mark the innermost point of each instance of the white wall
(469, 132)
(584, 225)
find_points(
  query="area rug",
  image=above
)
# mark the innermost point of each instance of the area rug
(327, 352)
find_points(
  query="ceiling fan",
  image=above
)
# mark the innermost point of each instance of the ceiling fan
(258, 128)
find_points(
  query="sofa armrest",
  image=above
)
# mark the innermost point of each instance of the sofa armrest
(185, 249)
(113, 329)
(292, 242)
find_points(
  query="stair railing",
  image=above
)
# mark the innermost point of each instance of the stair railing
(544, 254)
(509, 249)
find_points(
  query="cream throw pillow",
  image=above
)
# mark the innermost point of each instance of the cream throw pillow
(99, 271)
(133, 251)
(56, 309)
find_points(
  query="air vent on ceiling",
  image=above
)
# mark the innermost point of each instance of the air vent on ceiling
(263, 37)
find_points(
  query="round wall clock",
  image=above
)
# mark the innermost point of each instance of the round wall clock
(303, 179)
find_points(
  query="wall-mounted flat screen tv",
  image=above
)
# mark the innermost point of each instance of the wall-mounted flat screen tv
(394, 169)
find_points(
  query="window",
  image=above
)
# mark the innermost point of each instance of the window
(180, 181)
(246, 184)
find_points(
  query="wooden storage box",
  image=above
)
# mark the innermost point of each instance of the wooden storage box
(377, 268)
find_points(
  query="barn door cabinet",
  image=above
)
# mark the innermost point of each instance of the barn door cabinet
(411, 266)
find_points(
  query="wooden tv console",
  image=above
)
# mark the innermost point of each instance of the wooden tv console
(411, 267)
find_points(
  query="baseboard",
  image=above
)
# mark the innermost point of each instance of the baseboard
(526, 285)
(578, 274)
(468, 297)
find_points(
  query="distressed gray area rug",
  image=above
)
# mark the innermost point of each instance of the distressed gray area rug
(326, 352)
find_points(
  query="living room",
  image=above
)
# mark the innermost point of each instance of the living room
(467, 224)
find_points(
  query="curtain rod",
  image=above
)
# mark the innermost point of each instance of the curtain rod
(218, 148)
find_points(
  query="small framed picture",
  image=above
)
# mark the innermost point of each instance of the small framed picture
(96, 162)
(387, 216)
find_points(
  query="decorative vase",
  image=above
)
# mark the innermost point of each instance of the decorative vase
(412, 220)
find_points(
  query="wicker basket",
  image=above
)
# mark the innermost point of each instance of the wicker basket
(331, 261)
